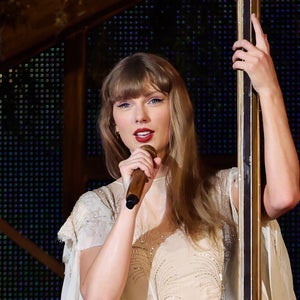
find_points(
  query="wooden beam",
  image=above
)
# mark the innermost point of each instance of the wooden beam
(74, 124)
(38, 253)
(39, 25)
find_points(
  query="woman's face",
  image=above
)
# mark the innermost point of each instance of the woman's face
(144, 120)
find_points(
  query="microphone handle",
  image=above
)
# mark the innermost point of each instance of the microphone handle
(138, 180)
(137, 183)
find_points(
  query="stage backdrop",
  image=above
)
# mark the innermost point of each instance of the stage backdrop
(196, 36)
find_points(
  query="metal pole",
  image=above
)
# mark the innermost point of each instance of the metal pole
(249, 169)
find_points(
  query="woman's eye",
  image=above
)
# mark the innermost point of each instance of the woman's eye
(155, 100)
(122, 104)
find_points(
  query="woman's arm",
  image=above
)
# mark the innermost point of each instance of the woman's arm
(104, 270)
(282, 191)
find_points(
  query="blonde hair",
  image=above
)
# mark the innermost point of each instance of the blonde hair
(187, 186)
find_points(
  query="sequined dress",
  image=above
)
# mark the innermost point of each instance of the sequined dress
(165, 265)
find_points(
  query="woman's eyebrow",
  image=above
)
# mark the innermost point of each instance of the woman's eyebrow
(151, 93)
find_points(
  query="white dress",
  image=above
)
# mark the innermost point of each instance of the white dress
(165, 265)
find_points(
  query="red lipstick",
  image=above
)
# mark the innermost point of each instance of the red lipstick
(143, 135)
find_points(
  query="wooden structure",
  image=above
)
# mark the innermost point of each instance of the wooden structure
(32, 26)
(29, 27)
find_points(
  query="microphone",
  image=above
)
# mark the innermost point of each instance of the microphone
(137, 183)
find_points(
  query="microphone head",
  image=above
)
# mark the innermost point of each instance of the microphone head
(131, 201)
(150, 149)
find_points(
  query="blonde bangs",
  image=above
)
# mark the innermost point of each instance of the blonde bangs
(135, 77)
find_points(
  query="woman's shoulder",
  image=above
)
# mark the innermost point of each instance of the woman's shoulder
(224, 178)
(106, 196)
(96, 206)
(222, 183)
(225, 174)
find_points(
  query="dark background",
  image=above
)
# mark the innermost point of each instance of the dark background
(196, 36)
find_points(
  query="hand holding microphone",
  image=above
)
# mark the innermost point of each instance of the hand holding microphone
(138, 181)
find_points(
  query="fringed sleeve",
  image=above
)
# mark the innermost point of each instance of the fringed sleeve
(88, 225)
(277, 279)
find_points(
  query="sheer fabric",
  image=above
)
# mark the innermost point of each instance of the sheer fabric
(165, 265)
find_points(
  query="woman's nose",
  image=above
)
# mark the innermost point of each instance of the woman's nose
(141, 115)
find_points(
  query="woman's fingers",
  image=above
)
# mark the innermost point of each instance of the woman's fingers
(139, 159)
(255, 60)
(260, 36)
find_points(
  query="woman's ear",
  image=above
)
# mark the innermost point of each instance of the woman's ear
(117, 132)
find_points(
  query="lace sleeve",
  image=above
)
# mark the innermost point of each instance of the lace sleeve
(90, 221)
(88, 225)
(224, 181)
(277, 280)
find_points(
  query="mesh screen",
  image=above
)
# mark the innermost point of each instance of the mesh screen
(196, 36)
(31, 172)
